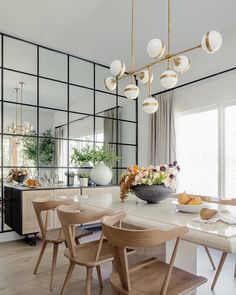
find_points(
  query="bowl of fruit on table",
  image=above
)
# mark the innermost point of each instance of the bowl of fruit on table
(189, 203)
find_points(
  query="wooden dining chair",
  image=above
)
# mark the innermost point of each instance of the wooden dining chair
(42, 208)
(90, 254)
(150, 276)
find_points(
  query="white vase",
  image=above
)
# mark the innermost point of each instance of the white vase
(101, 174)
(83, 181)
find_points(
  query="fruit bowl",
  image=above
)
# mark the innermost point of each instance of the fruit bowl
(189, 208)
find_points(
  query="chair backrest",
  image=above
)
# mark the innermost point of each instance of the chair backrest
(70, 216)
(44, 205)
(120, 238)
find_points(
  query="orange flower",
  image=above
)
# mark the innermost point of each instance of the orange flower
(135, 169)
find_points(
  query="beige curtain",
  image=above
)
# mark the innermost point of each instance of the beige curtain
(162, 131)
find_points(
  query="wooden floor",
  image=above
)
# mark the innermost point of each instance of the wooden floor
(17, 261)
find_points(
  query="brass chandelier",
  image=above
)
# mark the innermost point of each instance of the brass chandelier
(176, 63)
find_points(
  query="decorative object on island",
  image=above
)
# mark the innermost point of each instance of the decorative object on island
(46, 147)
(17, 174)
(71, 177)
(151, 184)
(18, 127)
(30, 182)
(176, 62)
(100, 158)
(83, 179)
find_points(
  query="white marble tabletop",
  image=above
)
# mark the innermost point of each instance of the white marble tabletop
(218, 235)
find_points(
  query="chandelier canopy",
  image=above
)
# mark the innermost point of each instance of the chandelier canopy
(176, 63)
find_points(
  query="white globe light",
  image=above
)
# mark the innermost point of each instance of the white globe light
(181, 64)
(110, 83)
(150, 105)
(117, 68)
(145, 77)
(211, 41)
(131, 91)
(155, 48)
(168, 79)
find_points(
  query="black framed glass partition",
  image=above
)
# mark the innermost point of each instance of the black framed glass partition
(66, 105)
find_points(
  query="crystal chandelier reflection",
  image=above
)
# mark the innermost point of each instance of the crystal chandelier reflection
(18, 127)
(176, 63)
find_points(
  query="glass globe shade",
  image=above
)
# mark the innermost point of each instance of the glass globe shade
(110, 83)
(150, 105)
(155, 48)
(168, 79)
(145, 77)
(181, 64)
(131, 91)
(211, 41)
(117, 68)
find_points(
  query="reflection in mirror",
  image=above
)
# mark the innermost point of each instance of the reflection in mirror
(52, 177)
(128, 132)
(11, 81)
(81, 127)
(128, 109)
(52, 94)
(56, 121)
(81, 72)
(19, 115)
(106, 130)
(100, 74)
(52, 64)
(79, 145)
(20, 55)
(105, 102)
(128, 156)
(81, 100)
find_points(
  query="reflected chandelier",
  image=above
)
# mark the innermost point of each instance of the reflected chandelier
(176, 63)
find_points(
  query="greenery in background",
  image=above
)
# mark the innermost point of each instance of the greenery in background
(93, 155)
(83, 175)
(70, 174)
(46, 147)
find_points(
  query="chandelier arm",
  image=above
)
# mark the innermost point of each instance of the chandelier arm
(166, 57)
(132, 42)
(169, 32)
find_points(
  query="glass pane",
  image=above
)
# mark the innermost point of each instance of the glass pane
(101, 73)
(19, 151)
(52, 94)
(128, 155)
(81, 100)
(105, 105)
(52, 64)
(77, 145)
(127, 132)
(22, 116)
(127, 109)
(56, 121)
(230, 152)
(81, 127)
(81, 72)
(197, 153)
(20, 55)
(51, 176)
(11, 81)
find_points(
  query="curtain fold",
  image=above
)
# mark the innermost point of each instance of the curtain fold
(59, 147)
(162, 131)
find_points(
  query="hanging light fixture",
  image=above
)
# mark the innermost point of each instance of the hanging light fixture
(18, 127)
(150, 104)
(176, 62)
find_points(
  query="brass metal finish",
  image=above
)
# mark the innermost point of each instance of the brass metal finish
(168, 76)
(208, 42)
(150, 104)
(130, 89)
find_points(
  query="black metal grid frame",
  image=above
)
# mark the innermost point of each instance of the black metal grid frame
(37, 106)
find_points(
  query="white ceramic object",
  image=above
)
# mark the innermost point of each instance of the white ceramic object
(150, 105)
(168, 79)
(155, 48)
(101, 174)
(146, 77)
(110, 83)
(117, 68)
(131, 91)
(181, 64)
(189, 208)
(83, 182)
(211, 41)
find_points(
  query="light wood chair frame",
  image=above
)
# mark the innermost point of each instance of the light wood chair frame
(69, 216)
(120, 238)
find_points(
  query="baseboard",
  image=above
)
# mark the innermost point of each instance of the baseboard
(9, 236)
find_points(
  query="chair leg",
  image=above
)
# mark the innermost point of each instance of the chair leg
(99, 276)
(40, 257)
(89, 279)
(222, 261)
(77, 242)
(68, 275)
(210, 257)
(54, 262)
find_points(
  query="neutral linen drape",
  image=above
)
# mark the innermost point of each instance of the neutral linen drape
(162, 131)
(59, 155)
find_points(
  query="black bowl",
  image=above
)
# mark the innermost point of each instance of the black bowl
(152, 193)
(21, 179)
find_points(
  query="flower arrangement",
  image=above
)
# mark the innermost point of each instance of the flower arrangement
(152, 175)
(17, 174)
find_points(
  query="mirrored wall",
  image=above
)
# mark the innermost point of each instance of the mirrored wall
(61, 104)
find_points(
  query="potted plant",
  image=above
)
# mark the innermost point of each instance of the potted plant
(151, 184)
(70, 176)
(83, 178)
(102, 158)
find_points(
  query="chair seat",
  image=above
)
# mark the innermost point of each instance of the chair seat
(55, 236)
(148, 276)
(86, 253)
